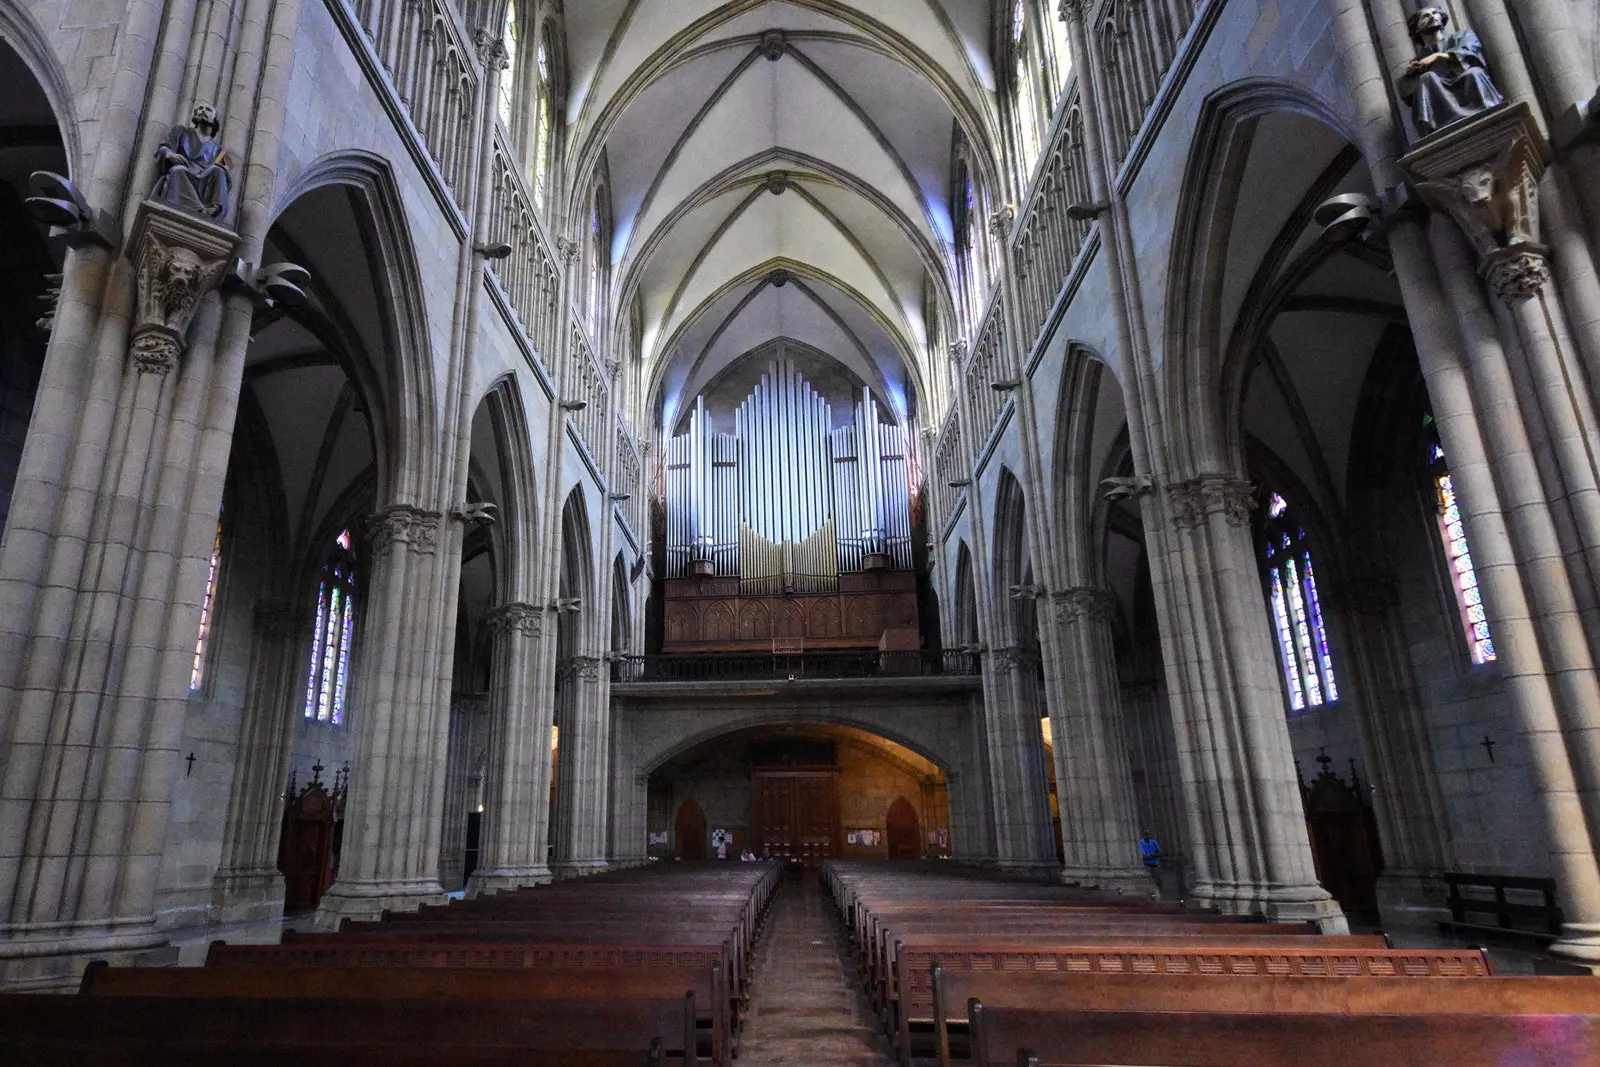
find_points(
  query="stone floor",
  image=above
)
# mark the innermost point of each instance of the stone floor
(806, 1006)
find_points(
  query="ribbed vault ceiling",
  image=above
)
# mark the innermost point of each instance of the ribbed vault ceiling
(778, 170)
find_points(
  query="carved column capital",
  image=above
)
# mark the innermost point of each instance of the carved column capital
(958, 349)
(1007, 659)
(1069, 11)
(580, 668)
(404, 524)
(1191, 502)
(1517, 273)
(568, 249)
(177, 259)
(1484, 173)
(1086, 603)
(516, 617)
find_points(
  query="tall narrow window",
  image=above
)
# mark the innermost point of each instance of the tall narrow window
(1463, 574)
(1061, 49)
(969, 244)
(1296, 610)
(544, 128)
(334, 628)
(1025, 110)
(197, 673)
(596, 293)
(508, 77)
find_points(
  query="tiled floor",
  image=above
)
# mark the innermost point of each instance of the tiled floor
(806, 1008)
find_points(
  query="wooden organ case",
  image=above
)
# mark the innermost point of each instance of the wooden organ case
(789, 533)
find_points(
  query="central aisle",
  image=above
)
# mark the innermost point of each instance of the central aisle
(806, 1005)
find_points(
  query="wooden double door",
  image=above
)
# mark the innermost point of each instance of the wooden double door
(795, 814)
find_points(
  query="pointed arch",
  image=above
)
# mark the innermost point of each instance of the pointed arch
(964, 627)
(516, 529)
(1013, 564)
(405, 411)
(1195, 348)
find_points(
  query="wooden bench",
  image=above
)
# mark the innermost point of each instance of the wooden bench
(1005, 1036)
(1533, 924)
(936, 981)
(545, 983)
(139, 1031)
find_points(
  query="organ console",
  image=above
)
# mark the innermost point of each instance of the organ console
(788, 528)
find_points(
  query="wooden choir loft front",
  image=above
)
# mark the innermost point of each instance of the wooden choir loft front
(789, 524)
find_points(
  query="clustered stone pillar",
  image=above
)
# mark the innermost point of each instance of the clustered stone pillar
(1534, 511)
(583, 776)
(390, 857)
(469, 713)
(1249, 847)
(516, 795)
(248, 885)
(1094, 783)
(1019, 788)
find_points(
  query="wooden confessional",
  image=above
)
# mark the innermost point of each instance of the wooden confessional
(1343, 840)
(308, 847)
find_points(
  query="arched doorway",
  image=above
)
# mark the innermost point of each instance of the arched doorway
(805, 790)
(689, 831)
(903, 830)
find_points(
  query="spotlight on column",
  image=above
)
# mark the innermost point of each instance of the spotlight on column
(494, 250)
(960, 483)
(1345, 217)
(574, 405)
(482, 513)
(1006, 385)
(56, 202)
(1087, 212)
(618, 498)
(1122, 488)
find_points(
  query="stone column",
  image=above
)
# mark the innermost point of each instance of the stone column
(1018, 785)
(1413, 824)
(1093, 781)
(1484, 174)
(583, 776)
(516, 795)
(248, 885)
(469, 713)
(390, 855)
(1247, 832)
(1158, 799)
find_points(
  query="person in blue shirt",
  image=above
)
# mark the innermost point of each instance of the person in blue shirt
(1150, 849)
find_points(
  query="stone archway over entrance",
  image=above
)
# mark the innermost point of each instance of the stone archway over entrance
(802, 790)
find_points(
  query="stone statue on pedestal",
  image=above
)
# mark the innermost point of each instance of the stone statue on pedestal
(194, 167)
(1449, 80)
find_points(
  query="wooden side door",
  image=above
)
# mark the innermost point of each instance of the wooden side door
(903, 830)
(689, 831)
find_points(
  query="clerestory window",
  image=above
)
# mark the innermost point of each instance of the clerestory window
(328, 678)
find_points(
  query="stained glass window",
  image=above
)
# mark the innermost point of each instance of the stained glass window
(328, 677)
(508, 77)
(1453, 533)
(1296, 608)
(1061, 46)
(543, 132)
(1025, 111)
(197, 673)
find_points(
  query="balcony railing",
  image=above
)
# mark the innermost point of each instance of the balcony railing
(1049, 237)
(793, 666)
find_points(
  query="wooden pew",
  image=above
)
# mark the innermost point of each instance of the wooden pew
(137, 1031)
(558, 983)
(1070, 1038)
(1390, 980)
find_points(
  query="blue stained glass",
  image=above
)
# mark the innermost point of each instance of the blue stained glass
(1276, 506)
(316, 649)
(1437, 454)
(1469, 597)
(1302, 635)
(1280, 617)
(1314, 603)
(345, 629)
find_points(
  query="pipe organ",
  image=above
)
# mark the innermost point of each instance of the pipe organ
(786, 503)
